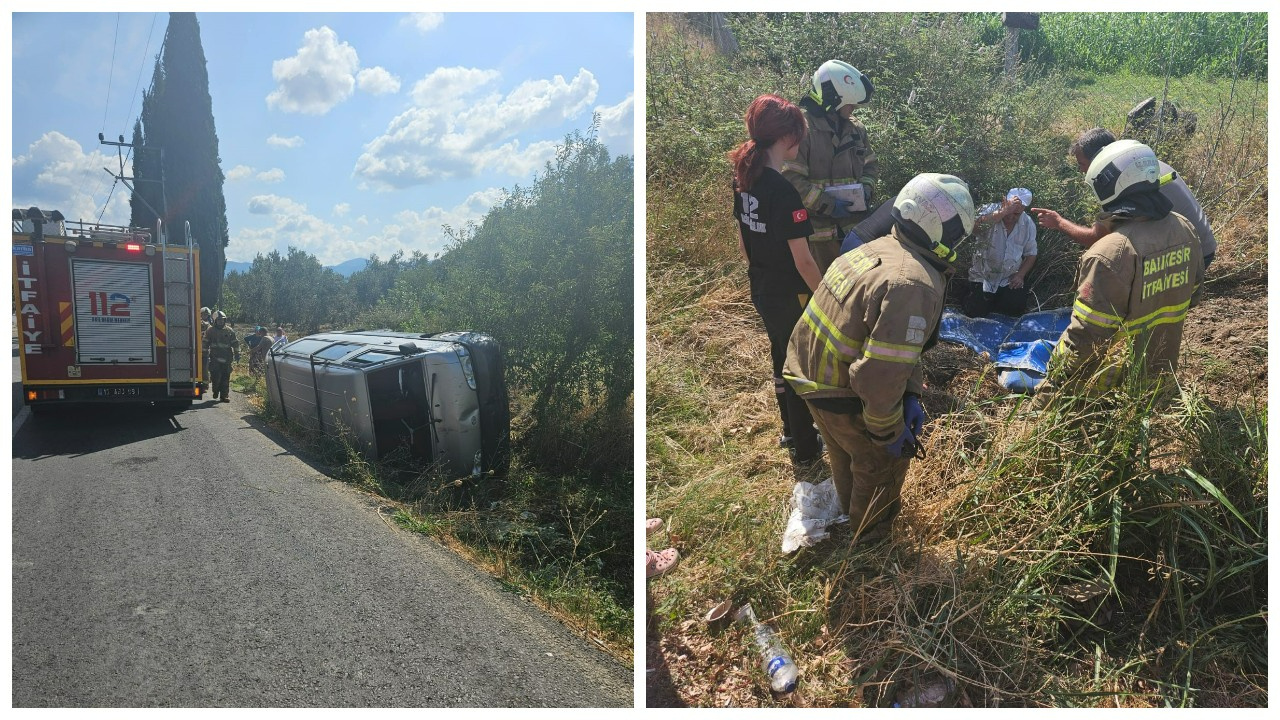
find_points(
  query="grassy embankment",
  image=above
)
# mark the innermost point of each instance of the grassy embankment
(529, 530)
(1112, 554)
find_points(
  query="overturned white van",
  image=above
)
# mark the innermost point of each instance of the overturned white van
(441, 396)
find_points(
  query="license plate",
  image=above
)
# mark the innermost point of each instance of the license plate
(119, 392)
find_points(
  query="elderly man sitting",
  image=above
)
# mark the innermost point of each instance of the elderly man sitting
(1003, 258)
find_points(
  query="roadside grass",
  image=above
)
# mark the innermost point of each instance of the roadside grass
(544, 545)
(1095, 553)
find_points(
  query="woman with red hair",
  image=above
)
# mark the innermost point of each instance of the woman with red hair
(774, 231)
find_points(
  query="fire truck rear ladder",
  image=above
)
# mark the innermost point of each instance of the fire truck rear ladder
(179, 280)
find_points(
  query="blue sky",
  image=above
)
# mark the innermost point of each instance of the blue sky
(343, 134)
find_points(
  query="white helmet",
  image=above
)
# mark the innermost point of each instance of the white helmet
(1123, 168)
(837, 83)
(938, 208)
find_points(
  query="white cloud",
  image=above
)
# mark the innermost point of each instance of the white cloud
(425, 22)
(448, 87)
(319, 77)
(424, 231)
(285, 142)
(517, 162)
(56, 174)
(458, 128)
(275, 205)
(341, 209)
(377, 81)
(239, 172)
(274, 175)
(331, 243)
(617, 126)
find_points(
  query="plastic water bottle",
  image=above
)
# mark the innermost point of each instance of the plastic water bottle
(777, 664)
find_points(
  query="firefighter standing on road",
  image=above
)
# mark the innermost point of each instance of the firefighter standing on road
(835, 151)
(206, 322)
(1138, 280)
(223, 350)
(854, 356)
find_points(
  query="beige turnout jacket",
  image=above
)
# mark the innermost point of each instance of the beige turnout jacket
(830, 156)
(863, 331)
(1135, 283)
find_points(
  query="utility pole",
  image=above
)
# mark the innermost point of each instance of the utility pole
(120, 176)
(1014, 24)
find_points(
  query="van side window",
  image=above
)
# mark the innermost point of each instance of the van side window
(374, 356)
(337, 350)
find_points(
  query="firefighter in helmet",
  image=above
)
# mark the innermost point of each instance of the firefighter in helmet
(1138, 280)
(206, 322)
(835, 151)
(855, 354)
(221, 342)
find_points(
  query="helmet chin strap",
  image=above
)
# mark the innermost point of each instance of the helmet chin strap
(944, 253)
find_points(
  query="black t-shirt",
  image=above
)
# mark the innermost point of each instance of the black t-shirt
(769, 215)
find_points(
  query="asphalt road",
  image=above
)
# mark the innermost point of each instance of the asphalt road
(190, 560)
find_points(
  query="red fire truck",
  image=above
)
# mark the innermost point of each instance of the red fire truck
(105, 313)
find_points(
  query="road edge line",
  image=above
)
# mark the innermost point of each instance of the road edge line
(21, 418)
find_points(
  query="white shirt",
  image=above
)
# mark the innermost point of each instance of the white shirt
(1000, 256)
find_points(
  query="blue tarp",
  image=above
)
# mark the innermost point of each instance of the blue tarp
(1019, 347)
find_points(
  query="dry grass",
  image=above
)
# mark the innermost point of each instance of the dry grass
(986, 581)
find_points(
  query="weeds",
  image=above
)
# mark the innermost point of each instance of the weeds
(1098, 552)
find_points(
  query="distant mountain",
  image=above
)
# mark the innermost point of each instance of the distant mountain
(345, 269)
(349, 267)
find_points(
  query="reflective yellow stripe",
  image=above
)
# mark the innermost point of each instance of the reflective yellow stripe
(888, 422)
(811, 198)
(827, 330)
(1095, 317)
(803, 386)
(793, 166)
(1162, 316)
(889, 352)
(838, 348)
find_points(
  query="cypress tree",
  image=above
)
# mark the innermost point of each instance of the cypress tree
(177, 125)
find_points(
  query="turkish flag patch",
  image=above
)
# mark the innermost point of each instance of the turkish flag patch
(799, 216)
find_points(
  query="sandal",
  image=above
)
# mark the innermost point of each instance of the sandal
(652, 525)
(657, 563)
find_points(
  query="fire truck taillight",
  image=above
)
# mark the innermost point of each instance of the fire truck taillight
(132, 247)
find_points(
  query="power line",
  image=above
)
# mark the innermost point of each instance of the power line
(115, 42)
(146, 52)
(142, 66)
